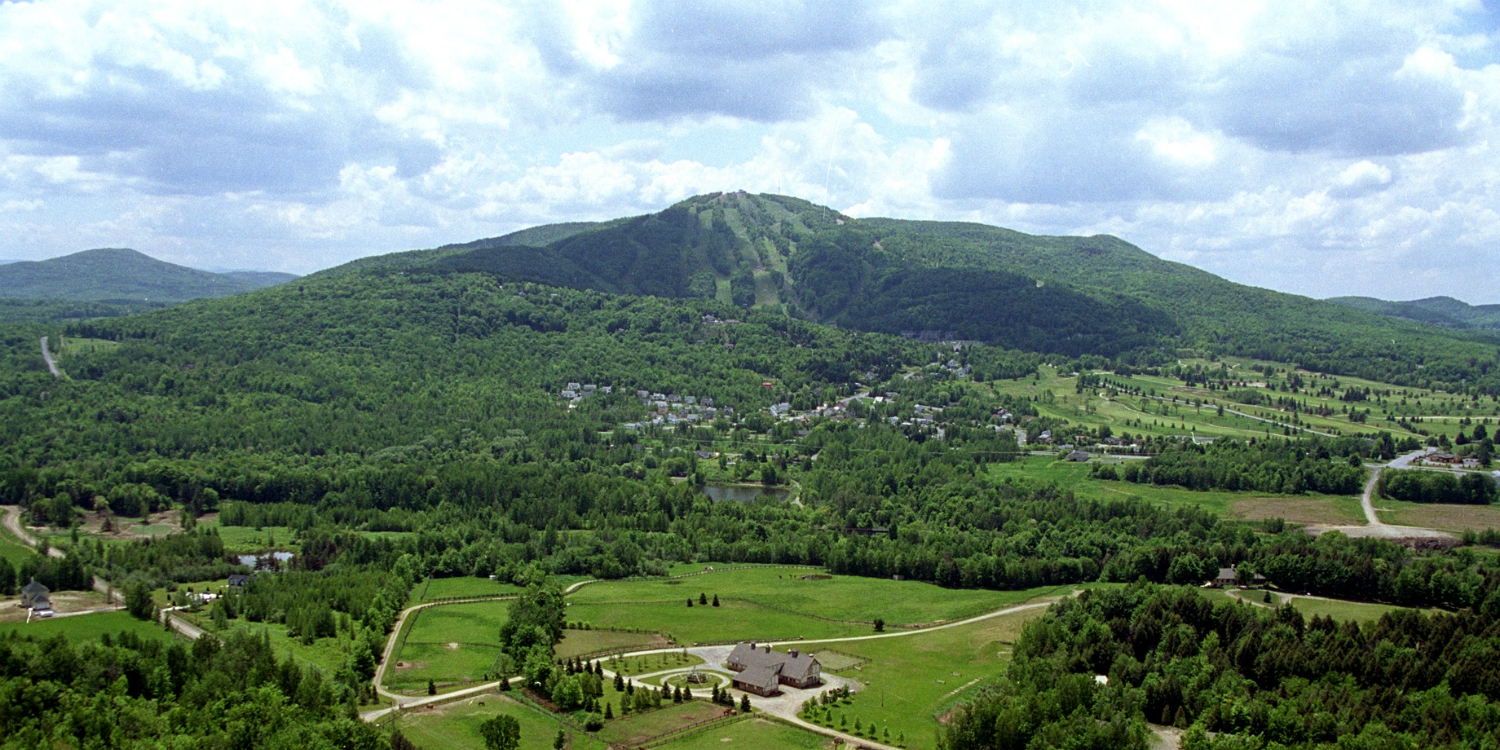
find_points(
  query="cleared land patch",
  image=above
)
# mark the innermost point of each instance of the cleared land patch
(456, 725)
(1455, 518)
(908, 681)
(582, 642)
(1318, 509)
(449, 588)
(451, 645)
(85, 627)
(808, 595)
(748, 733)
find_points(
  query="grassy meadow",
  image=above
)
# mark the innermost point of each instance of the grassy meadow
(86, 627)
(455, 726)
(776, 603)
(908, 681)
(753, 733)
(448, 588)
(452, 645)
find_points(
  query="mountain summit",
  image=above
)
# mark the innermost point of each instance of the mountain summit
(122, 275)
(928, 279)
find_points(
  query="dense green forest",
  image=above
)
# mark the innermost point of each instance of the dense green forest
(1072, 295)
(1254, 678)
(552, 403)
(134, 692)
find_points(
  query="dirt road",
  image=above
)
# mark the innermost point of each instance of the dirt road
(1374, 527)
(47, 357)
(12, 522)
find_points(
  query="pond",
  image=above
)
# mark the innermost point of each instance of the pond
(280, 557)
(743, 493)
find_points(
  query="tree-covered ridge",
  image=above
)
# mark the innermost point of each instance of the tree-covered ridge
(1256, 677)
(122, 277)
(1441, 311)
(1075, 295)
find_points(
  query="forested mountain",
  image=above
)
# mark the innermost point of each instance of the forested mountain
(123, 277)
(1441, 311)
(944, 280)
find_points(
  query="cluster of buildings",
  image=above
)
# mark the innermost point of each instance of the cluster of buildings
(1450, 460)
(575, 392)
(673, 409)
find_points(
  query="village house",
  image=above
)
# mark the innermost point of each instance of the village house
(36, 597)
(763, 671)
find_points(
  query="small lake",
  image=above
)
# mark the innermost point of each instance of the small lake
(743, 493)
(281, 558)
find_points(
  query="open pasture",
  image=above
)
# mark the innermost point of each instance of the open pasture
(448, 588)
(455, 726)
(751, 733)
(910, 680)
(1302, 509)
(451, 645)
(788, 595)
(1455, 518)
(581, 642)
(85, 627)
(636, 729)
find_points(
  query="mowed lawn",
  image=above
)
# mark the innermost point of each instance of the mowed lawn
(452, 644)
(748, 733)
(86, 627)
(909, 680)
(798, 596)
(455, 726)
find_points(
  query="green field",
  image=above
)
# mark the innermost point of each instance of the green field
(86, 627)
(1455, 518)
(748, 733)
(448, 588)
(776, 603)
(1342, 611)
(1302, 509)
(11, 549)
(581, 642)
(910, 680)
(456, 725)
(651, 663)
(245, 540)
(453, 644)
(636, 729)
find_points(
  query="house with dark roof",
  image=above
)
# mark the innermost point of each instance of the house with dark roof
(36, 597)
(763, 671)
(238, 580)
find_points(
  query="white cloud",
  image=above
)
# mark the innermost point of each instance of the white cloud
(1326, 148)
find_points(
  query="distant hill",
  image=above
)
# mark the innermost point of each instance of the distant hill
(1075, 296)
(123, 276)
(1441, 311)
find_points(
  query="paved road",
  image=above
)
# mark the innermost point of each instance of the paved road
(47, 357)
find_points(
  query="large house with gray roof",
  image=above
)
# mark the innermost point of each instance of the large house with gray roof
(763, 671)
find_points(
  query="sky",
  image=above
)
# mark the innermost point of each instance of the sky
(1320, 148)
